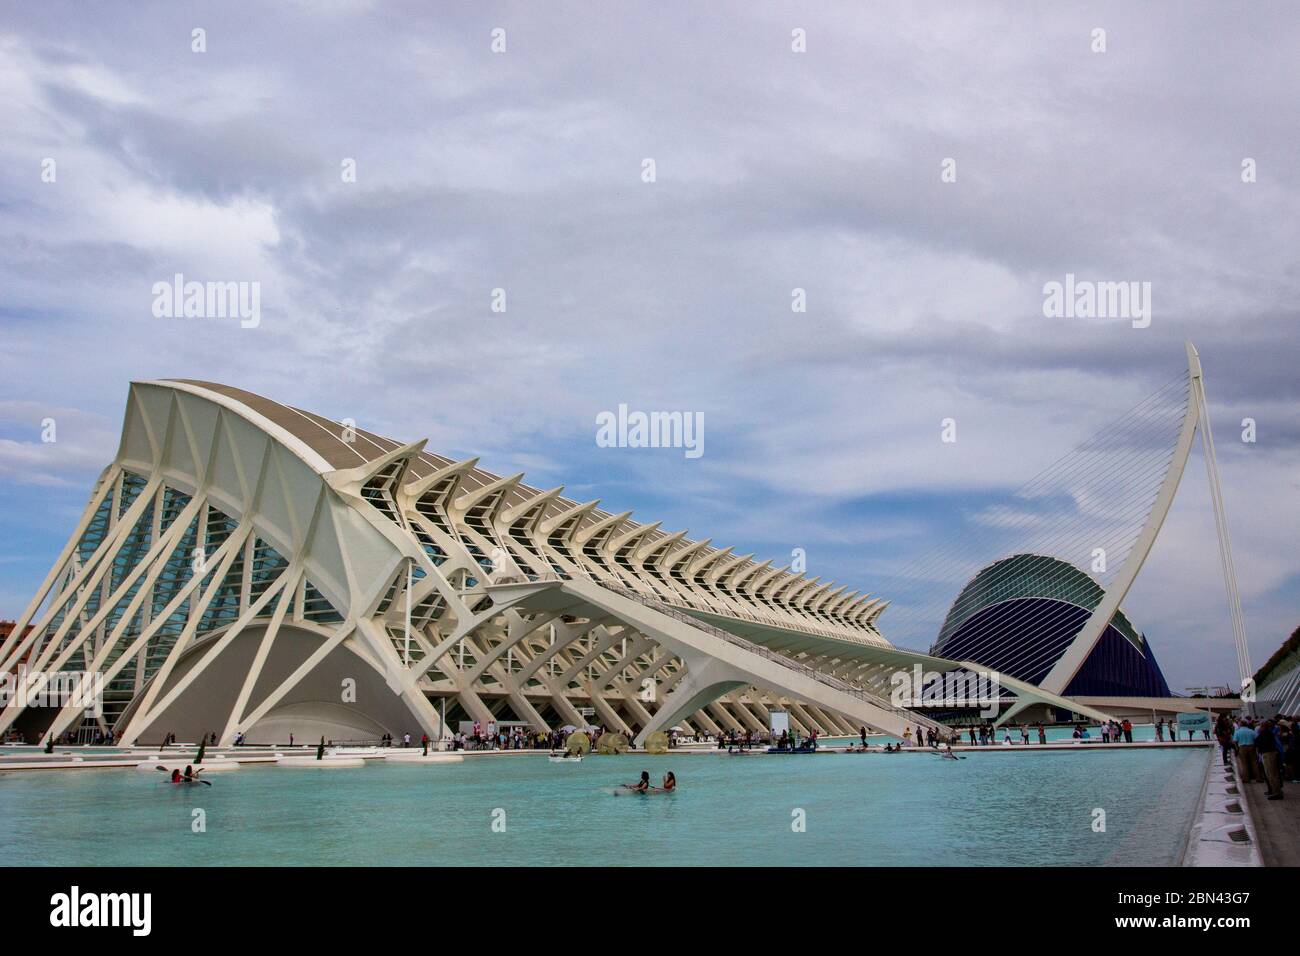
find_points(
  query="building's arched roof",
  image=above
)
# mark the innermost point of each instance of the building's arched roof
(1024, 576)
(1019, 615)
(325, 439)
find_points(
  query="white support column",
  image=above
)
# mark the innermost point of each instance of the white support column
(259, 661)
(705, 681)
(1069, 663)
(1244, 669)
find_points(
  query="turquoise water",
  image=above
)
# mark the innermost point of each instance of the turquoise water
(873, 810)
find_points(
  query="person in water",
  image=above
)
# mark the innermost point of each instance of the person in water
(176, 777)
(670, 783)
(642, 785)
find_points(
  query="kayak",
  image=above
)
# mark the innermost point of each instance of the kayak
(565, 759)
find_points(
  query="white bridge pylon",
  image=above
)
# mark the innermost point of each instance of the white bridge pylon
(1196, 415)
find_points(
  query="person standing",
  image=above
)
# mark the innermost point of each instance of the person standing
(1223, 733)
(1270, 755)
(1244, 738)
(1127, 727)
(1290, 750)
(1042, 734)
(862, 732)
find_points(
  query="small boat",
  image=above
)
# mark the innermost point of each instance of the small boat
(554, 759)
(788, 750)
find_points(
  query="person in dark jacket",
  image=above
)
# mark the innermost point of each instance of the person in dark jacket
(1270, 756)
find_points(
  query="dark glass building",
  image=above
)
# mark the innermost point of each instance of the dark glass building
(1019, 614)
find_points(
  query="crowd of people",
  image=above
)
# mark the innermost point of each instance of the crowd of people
(492, 737)
(1265, 751)
(980, 735)
(736, 740)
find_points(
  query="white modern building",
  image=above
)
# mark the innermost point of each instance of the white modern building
(245, 566)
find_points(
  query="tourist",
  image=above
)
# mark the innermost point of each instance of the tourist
(1270, 756)
(642, 785)
(670, 783)
(1105, 732)
(1290, 750)
(1127, 727)
(907, 736)
(1223, 733)
(1042, 734)
(1244, 739)
(1160, 729)
(862, 733)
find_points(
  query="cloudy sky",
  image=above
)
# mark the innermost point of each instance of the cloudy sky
(774, 170)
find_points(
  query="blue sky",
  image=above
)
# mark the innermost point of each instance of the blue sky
(775, 170)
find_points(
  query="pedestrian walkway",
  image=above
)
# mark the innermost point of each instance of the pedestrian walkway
(1277, 823)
